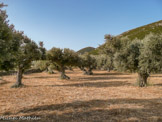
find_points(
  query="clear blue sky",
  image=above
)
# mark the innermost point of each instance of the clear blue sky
(80, 23)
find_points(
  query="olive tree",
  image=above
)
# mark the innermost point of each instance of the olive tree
(141, 56)
(7, 45)
(81, 64)
(44, 65)
(150, 59)
(104, 62)
(111, 46)
(28, 51)
(62, 58)
(42, 50)
(87, 63)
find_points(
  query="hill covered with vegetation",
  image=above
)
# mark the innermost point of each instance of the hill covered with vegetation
(137, 33)
(141, 32)
(86, 49)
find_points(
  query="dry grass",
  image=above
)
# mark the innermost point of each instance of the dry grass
(102, 97)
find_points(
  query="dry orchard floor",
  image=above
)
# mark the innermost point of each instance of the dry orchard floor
(102, 97)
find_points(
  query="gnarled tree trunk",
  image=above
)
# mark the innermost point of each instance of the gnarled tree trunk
(89, 72)
(63, 75)
(108, 69)
(19, 78)
(50, 71)
(70, 68)
(0, 78)
(84, 70)
(142, 78)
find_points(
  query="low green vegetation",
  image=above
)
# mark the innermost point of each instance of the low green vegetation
(85, 50)
(140, 32)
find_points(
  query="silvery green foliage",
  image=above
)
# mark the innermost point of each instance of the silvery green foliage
(42, 50)
(127, 59)
(88, 61)
(103, 62)
(62, 58)
(150, 59)
(111, 46)
(141, 56)
(41, 64)
(27, 52)
(44, 65)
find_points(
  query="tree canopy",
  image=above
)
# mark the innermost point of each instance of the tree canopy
(141, 56)
(7, 45)
(87, 61)
(62, 58)
(27, 51)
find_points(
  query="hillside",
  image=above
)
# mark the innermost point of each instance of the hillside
(139, 33)
(86, 49)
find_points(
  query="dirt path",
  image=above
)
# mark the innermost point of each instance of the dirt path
(102, 97)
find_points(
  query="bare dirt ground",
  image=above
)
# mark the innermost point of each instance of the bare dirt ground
(102, 97)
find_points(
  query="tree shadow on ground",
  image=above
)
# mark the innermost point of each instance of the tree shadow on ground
(40, 77)
(102, 78)
(3, 82)
(156, 76)
(158, 84)
(99, 111)
(97, 84)
(111, 73)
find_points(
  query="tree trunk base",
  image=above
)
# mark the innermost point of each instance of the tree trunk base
(142, 79)
(89, 73)
(142, 85)
(1, 78)
(85, 72)
(71, 69)
(108, 70)
(19, 79)
(16, 85)
(51, 72)
(65, 77)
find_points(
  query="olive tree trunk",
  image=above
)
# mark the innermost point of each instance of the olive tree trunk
(63, 75)
(0, 78)
(108, 69)
(142, 78)
(89, 72)
(49, 70)
(84, 70)
(19, 79)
